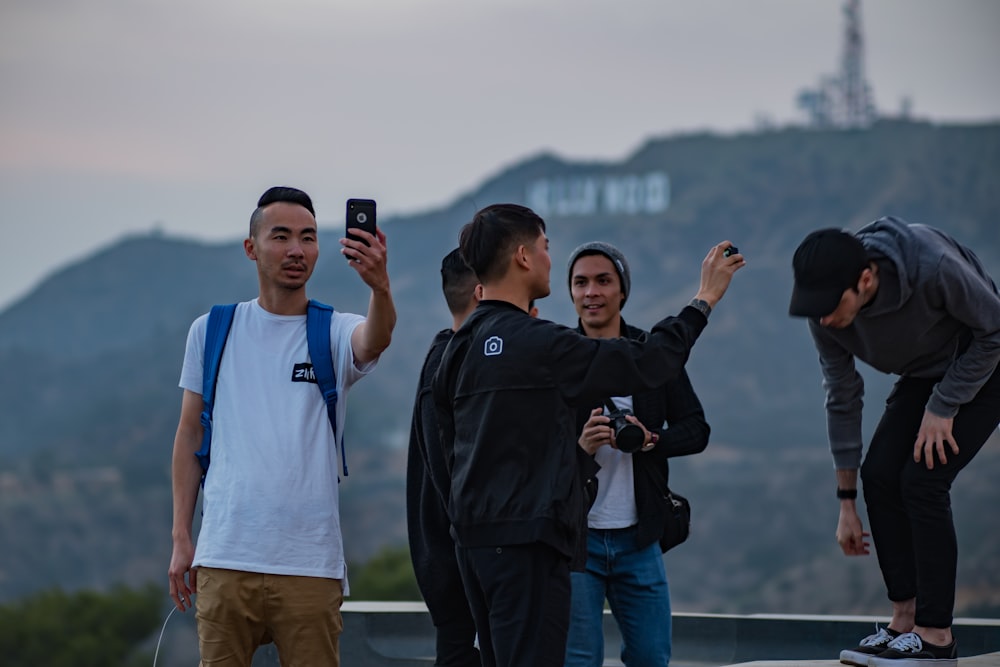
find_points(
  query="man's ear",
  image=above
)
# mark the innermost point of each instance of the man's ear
(866, 280)
(249, 249)
(521, 257)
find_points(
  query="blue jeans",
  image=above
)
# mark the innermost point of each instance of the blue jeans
(635, 584)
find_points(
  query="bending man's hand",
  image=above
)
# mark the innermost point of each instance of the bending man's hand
(851, 535)
(931, 438)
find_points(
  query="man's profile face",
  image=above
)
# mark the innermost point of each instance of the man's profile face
(542, 266)
(848, 308)
(852, 301)
(596, 291)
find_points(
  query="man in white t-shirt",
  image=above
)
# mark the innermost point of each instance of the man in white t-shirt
(625, 523)
(269, 563)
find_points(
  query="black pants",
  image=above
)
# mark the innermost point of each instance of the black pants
(520, 599)
(432, 551)
(909, 506)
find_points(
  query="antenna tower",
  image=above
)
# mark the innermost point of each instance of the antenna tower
(843, 100)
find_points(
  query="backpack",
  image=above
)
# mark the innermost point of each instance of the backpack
(220, 319)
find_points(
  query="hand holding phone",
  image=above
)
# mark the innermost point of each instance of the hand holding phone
(360, 215)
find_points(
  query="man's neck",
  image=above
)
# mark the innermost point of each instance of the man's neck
(511, 293)
(283, 302)
(612, 329)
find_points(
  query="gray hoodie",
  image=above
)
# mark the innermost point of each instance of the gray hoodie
(936, 315)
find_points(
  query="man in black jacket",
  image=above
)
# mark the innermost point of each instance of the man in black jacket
(506, 392)
(432, 549)
(625, 524)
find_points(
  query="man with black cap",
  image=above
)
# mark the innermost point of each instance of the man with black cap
(909, 300)
(626, 522)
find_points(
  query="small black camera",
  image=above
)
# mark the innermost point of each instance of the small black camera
(731, 250)
(628, 436)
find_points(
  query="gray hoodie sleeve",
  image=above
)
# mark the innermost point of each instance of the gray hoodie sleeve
(970, 299)
(845, 391)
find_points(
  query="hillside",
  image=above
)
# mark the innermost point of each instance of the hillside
(92, 358)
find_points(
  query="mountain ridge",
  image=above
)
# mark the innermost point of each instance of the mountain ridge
(93, 355)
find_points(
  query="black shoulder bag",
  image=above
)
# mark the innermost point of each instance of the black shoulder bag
(676, 521)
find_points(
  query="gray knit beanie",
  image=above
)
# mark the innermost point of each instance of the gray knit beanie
(612, 253)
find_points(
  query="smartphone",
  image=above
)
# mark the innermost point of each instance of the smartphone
(360, 215)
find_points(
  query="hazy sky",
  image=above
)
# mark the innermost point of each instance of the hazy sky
(121, 116)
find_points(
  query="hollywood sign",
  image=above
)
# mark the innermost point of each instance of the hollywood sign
(593, 195)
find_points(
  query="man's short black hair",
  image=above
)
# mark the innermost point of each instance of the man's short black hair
(458, 282)
(494, 233)
(279, 193)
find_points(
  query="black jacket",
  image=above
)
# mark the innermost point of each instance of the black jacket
(507, 392)
(675, 403)
(431, 546)
(432, 549)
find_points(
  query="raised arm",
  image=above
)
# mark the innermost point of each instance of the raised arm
(373, 336)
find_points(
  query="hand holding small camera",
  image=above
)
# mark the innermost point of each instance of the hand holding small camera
(717, 270)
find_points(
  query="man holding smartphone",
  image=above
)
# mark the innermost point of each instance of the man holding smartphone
(269, 563)
(506, 392)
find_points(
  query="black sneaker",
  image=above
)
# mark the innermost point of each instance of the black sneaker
(909, 650)
(869, 646)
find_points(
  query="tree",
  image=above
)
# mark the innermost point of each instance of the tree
(83, 629)
(387, 576)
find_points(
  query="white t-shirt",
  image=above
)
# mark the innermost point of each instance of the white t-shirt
(614, 506)
(271, 497)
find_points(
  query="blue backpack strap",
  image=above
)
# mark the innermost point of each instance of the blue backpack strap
(220, 319)
(318, 317)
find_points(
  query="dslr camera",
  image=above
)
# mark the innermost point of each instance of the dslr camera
(628, 436)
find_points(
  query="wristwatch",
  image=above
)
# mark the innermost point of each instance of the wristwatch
(702, 306)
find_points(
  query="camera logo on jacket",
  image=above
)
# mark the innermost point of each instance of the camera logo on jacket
(493, 347)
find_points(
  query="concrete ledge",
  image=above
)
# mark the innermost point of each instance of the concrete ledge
(400, 634)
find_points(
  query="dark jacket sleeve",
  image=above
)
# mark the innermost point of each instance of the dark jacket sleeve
(425, 435)
(588, 372)
(687, 431)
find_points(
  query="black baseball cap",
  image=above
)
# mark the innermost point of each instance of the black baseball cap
(826, 263)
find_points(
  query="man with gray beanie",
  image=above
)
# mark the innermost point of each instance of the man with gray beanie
(910, 300)
(626, 522)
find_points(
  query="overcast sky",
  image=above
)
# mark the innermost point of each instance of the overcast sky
(122, 116)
